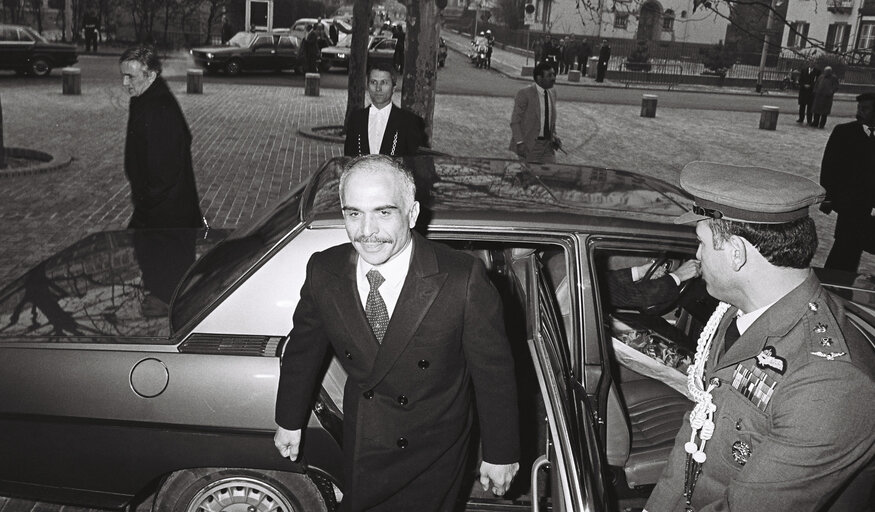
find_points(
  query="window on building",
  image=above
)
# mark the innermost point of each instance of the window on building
(867, 36)
(837, 37)
(798, 36)
(668, 21)
(621, 19)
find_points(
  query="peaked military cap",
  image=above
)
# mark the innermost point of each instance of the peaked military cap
(746, 194)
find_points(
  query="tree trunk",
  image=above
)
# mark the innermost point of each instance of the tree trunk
(358, 58)
(2, 147)
(420, 60)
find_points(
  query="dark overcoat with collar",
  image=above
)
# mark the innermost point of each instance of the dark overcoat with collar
(807, 77)
(404, 135)
(408, 402)
(815, 433)
(158, 162)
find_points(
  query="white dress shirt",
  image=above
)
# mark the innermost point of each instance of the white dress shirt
(393, 271)
(378, 118)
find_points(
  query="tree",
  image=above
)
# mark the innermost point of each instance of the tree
(358, 58)
(215, 7)
(2, 147)
(420, 60)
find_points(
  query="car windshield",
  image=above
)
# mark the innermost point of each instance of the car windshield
(221, 268)
(35, 35)
(241, 39)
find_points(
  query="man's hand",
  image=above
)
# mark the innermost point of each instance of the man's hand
(498, 476)
(288, 442)
(688, 270)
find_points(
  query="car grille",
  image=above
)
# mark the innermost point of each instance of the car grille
(232, 345)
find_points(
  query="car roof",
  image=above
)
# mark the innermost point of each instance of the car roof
(508, 193)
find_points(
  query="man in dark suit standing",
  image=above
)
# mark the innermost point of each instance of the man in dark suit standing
(848, 175)
(383, 128)
(420, 331)
(807, 76)
(604, 58)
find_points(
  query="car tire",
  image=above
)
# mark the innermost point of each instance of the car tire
(225, 490)
(40, 66)
(232, 67)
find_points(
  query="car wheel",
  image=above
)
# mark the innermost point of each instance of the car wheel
(229, 490)
(40, 67)
(233, 67)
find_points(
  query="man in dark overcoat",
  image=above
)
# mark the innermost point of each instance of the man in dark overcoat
(157, 148)
(847, 172)
(782, 381)
(383, 127)
(420, 331)
(604, 59)
(807, 76)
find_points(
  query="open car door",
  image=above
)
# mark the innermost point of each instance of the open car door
(567, 476)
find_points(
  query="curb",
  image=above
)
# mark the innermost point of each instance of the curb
(313, 133)
(54, 161)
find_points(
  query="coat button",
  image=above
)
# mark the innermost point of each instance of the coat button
(423, 364)
(402, 442)
(402, 399)
(347, 354)
(738, 425)
(368, 394)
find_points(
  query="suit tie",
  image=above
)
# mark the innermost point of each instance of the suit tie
(375, 308)
(731, 335)
(546, 115)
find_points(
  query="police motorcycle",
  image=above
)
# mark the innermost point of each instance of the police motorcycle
(479, 49)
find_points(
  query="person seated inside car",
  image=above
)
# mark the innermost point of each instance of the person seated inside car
(650, 285)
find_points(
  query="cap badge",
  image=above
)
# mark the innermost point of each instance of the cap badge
(826, 342)
(829, 357)
(812, 306)
(768, 358)
(741, 452)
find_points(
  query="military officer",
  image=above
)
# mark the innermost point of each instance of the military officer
(783, 384)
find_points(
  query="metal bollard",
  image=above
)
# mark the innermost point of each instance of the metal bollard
(311, 84)
(769, 118)
(72, 81)
(574, 76)
(195, 81)
(648, 105)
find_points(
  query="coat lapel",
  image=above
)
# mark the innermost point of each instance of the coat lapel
(420, 289)
(364, 142)
(348, 308)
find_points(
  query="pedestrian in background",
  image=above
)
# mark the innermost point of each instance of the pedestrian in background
(310, 50)
(825, 88)
(604, 58)
(538, 49)
(563, 68)
(533, 121)
(847, 172)
(92, 32)
(782, 381)
(572, 48)
(583, 53)
(807, 76)
(157, 148)
(422, 330)
(383, 127)
(398, 56)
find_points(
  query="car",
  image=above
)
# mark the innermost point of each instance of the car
(146, 363)
(337, 56)
(25, 51)
(273, 50)
(299, 27)
(379, 50)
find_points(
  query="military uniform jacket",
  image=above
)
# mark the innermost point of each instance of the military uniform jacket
(404, 135)
(792, 448)
(408, 402)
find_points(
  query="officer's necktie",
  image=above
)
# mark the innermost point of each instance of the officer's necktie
(546, 115)
(731, 335)
(375, 308)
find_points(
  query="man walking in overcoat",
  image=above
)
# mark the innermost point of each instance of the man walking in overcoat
(533, 121)
(782, 381)
(157, 148)
(847, 172)
(420, 331)
(807, 76)
(604, 58)
(383, 128)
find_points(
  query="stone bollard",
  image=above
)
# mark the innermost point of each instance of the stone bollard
(769, 118)
(648, 105)
(574, 76)
(72, 81)
(195, 81)
(527, 71)
(311, 84)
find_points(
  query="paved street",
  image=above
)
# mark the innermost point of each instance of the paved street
(248, 153)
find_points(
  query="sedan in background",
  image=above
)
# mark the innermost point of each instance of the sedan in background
(275, 50)
(146, 363)
(25, 51)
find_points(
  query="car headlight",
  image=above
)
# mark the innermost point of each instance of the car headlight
(341, 55)
(191, 52)
(209, 55)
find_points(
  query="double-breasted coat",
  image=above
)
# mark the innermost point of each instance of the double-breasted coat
(158, 162)
(404, 135)
(408, 402)
(788, 442)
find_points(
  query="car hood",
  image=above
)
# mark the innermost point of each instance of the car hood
(107, 285)
(57, 47)
(217, 49)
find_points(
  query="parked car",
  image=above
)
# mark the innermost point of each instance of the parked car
(25, 51)
(379, 50)
(337, 56)
(104, 399)
(274, 50)
(299, 27)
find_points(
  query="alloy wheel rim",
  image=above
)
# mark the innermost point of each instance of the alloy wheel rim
(240, 494)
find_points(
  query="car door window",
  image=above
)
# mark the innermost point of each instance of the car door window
(286, 43)
(24, 36)
(8, 34)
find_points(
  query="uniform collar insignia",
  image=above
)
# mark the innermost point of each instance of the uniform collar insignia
(768, 359)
